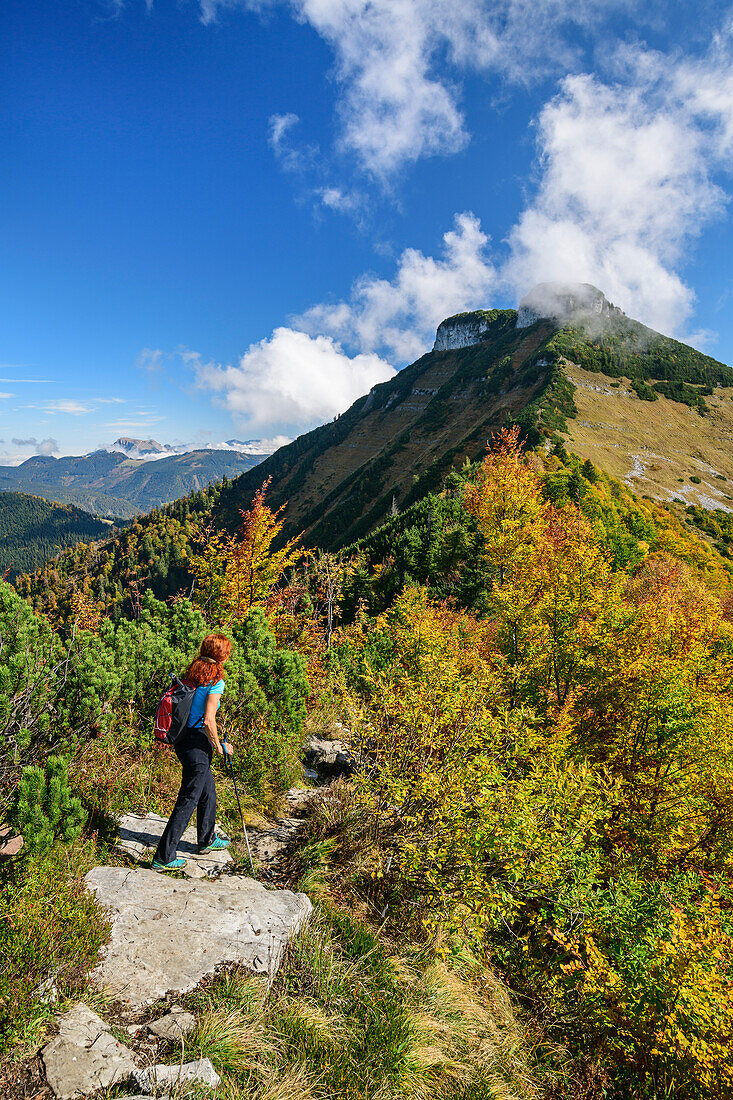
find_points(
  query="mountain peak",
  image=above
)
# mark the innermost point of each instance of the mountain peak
(563, 302)
(138, 448)
(560, 303)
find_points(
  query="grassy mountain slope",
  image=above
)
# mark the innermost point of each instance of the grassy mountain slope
(400, 439)
(395, 444)
(655, 446)
(109, 483)
(32, 530)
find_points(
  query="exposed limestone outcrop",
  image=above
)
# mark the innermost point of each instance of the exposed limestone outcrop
(10, 842)
(201, 1071)
(328, 759)
(466, 329)
(168, 933)
(174, 1025)
(138, 836)
(85, 1056)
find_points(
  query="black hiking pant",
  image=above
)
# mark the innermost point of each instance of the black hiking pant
(198, 792)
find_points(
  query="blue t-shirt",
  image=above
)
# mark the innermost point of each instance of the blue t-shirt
(198, 706)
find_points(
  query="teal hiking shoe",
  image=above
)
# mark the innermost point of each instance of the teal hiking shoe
(174, 865)
(217, 844)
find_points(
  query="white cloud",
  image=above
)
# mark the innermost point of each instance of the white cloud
(151, 359)
(399, 316)
(279, 140)
(51, 381)
(40, 447)
(292, 380)
(4, 396)
(339, 200)
(627, 179)
(64, 405)
(398, 64)
(301, 376)
(133, 425)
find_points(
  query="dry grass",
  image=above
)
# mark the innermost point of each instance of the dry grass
(651, 445)
(347, 1020)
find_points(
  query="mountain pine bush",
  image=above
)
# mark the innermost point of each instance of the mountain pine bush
(45, 810)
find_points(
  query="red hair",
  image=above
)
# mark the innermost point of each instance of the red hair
(208, 667)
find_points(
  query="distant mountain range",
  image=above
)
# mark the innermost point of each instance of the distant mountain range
(123, 481)
(150, 449)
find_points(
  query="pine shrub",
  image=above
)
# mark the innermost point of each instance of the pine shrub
(45, 809)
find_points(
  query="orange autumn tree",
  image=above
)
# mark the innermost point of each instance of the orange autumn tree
(236, 572)
(505, 501)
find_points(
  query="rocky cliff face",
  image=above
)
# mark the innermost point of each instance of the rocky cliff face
(466, 329)
(565, 302)
(559, 302)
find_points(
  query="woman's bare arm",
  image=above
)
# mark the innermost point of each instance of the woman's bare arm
(212, 705)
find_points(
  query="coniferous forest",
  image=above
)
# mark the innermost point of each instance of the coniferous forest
(32, 530)
(524, 889)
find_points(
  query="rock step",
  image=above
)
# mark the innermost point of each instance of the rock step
(85, 1056)
(138, 833)
(167, 933)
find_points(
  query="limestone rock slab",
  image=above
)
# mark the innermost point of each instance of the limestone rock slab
(10, 842)
(201, 1070)
(174, 1024)
(138, 833)
(167, 933)
(328, 759)
(85, 1056)
(267, 844)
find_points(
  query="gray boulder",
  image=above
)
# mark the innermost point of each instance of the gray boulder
(202, 1070)
(168, 933)
(174, 1025)
(85, 1056)
(10, 842)
(328, 759)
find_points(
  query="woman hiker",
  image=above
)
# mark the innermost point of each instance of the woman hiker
(195, 749)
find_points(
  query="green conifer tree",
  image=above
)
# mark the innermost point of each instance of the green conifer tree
(45, 809)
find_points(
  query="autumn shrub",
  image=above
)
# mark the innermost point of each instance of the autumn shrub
(553, 779)
(651, 976)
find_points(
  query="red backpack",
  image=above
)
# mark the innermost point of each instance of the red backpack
(173, 710)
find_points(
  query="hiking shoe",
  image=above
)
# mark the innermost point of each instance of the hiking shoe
(217, 844)
(174, 865)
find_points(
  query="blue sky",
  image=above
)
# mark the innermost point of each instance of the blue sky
(224, 218)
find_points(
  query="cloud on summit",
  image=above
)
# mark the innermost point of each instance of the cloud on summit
(630, 171)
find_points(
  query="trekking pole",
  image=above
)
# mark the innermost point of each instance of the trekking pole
(239, 804)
